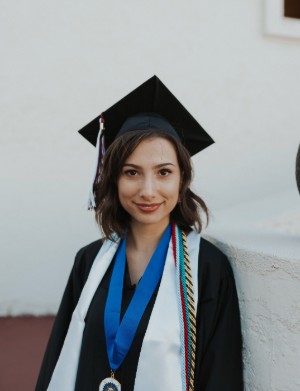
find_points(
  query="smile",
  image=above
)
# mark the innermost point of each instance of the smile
(148, 207)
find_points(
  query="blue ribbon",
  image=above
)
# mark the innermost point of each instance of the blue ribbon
(119, 336)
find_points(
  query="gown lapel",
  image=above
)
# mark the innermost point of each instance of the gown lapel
(159, 365)
(64, 375)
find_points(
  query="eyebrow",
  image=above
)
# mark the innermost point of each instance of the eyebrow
(157, 166)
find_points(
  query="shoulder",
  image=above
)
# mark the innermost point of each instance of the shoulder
(214, 270)
(85, 257)
(90, 249)
(214, 259)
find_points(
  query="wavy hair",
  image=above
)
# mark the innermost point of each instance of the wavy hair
(109, 213)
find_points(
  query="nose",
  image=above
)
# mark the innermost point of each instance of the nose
(148, 187)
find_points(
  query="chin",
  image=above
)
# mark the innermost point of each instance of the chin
(150, 220)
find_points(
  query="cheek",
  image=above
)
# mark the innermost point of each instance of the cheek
(126, 188)
(174, 187)
(173, 192)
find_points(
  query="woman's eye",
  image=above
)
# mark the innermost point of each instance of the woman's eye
(164, 172)
(130, 172)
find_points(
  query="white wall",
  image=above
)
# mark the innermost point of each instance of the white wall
(268, 290)
(64, 62)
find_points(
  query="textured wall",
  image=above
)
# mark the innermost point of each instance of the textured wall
(269, 290)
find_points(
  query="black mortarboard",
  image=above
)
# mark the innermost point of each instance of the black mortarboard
(151, 97)
(149, 106)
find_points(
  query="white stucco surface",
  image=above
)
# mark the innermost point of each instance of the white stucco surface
(263, 246)
(62, 63)
(268, 289)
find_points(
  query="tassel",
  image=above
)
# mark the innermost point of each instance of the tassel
(100, 152)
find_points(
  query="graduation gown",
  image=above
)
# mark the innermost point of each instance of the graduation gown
(219, 344)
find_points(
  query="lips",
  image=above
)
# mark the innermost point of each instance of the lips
(148, 208)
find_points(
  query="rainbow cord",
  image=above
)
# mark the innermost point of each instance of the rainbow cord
(186, 303)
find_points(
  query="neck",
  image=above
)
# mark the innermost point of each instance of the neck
(143, 237)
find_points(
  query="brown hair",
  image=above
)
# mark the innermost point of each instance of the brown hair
(111, 216)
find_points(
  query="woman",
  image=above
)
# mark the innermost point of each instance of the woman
(153, 306)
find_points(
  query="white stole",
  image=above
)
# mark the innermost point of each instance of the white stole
(159, 366)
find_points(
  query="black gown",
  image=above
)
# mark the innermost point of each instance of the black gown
(219, 342)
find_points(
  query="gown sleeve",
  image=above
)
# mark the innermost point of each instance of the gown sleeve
(219, 365)
(77, 278)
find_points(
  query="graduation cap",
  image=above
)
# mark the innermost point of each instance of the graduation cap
(149, 106)
(150, 97)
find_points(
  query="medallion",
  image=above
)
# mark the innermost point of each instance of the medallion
(110, 384)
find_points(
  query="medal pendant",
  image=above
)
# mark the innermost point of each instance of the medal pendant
(110, 384)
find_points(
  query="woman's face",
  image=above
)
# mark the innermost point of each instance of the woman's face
(149, 182)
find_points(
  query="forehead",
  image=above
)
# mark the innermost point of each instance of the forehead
(156, 149)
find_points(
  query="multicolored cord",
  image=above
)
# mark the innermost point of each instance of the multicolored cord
(186, 304)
